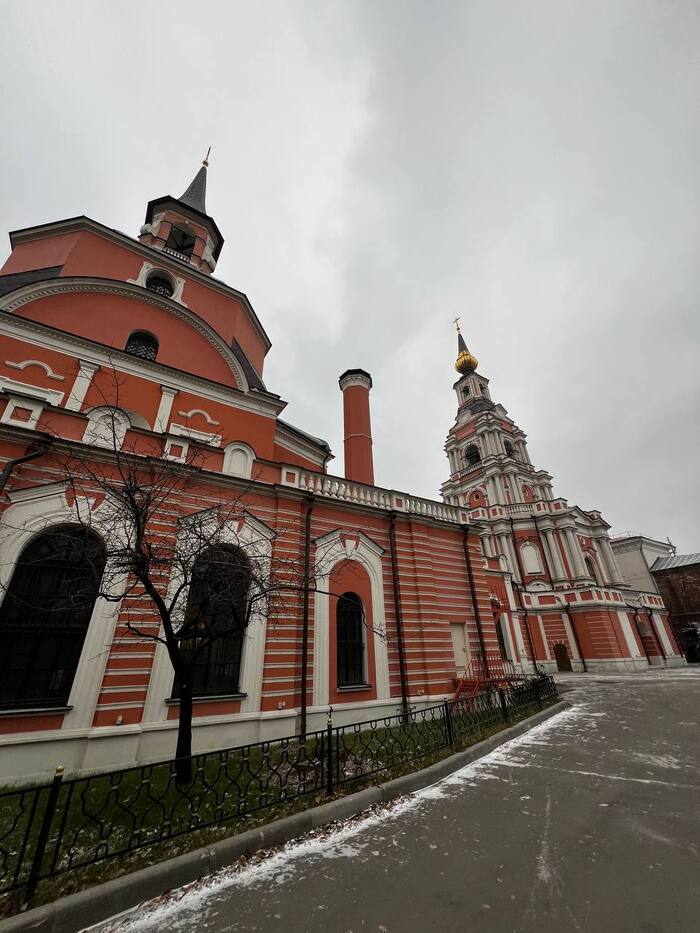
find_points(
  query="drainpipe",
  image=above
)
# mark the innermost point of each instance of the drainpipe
(6, 471)
(397, 613)
(475, 601)
(523, 606)
(305, 615)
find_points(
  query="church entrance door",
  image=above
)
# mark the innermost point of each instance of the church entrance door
(561, 656)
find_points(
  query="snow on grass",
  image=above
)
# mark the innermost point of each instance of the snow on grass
(175, 910)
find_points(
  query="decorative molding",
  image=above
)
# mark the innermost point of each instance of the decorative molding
(43, 335)
(238, 459)
(40, 363)
(165, 406)
(42, 231)
(178, 282)
(199, 411)
(17, 404)
(11, 386)
(81, 385)
(204, 437)
(66, 286)
(355, 379)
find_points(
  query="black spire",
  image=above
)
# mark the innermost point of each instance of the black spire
(196, 193)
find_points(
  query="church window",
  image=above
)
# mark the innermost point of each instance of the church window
(349, 641)
(211, 637)
(484, 390)
(45, 615)
(531, 558)
(472, 455)
(182, 241)
(592, 570)
(466, 393)
(510, 450)
(142, 344)
(160, 284)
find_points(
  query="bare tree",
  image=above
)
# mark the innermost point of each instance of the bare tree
(158, 537)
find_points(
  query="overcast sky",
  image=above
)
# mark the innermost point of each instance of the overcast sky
(380, 168)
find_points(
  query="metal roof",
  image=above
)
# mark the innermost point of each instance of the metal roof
(680, 560)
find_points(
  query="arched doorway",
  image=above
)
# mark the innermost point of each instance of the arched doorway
(561, 656)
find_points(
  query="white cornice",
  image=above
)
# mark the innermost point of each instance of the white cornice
(86, 223)
(71, 285)
(48, 337)
(299, 446)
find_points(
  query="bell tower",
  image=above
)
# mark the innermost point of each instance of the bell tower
(489, 461)
(182, 228)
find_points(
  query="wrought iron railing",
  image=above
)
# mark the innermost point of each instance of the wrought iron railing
(72, 823)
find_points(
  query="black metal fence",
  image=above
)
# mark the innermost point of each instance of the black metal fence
(72, 823)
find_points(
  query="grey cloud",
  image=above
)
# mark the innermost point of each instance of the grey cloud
(380, 168)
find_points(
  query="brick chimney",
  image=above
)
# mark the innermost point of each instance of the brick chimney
(355, 385)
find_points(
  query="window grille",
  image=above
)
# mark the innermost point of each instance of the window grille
(211, 637)
(45, 615)
(142, 344)
(160, 285)
(349, 640)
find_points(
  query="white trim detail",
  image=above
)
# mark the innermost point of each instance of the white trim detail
(204, 437)
(66, 286)
(238, 460)
(331, 549)
(52, 396)
(255, 540)
(632, 646)
(40, 363)
(77, 394)
(106, 427)
(177, 282)
(16, 402)
(33, 512)
(199, 411)
(167, 396)
(662, 633)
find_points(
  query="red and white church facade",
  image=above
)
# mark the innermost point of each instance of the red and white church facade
(499, 568)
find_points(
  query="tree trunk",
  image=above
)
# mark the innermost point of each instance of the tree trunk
(183, 753)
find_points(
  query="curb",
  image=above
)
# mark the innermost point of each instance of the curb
(78, 911)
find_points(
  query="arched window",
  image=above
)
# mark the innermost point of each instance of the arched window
(531, 558)
(181, 240)
(592, 570)
(349, 640)
(142, 344)
(211, 637)
(510, 450)
(45, 615)
(472, 455)
(528, 494)
(161, 283)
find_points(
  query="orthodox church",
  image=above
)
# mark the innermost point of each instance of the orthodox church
(410, 596)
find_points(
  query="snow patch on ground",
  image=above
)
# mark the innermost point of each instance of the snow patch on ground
(175, 910)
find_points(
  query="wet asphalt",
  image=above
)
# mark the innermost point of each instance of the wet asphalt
(589, 823)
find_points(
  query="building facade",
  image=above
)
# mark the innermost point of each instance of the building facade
(677, 578)
(113, 347)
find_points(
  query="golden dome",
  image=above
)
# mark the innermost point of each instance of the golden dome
(465, 362)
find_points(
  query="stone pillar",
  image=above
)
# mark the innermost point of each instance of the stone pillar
(609, 556)
(578, 566)
(558, 567)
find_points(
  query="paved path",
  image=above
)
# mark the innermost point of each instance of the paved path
(591, 822)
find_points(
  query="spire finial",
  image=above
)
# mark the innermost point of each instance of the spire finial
(466, 362)
(205, 160)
